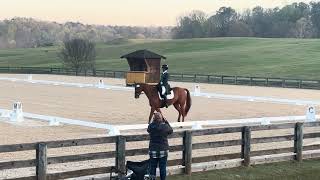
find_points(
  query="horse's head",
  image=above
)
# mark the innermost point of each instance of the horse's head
(137, 90)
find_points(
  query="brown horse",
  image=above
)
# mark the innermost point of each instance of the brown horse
(181, 100)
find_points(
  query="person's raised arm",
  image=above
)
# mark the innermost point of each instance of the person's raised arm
(168, 128)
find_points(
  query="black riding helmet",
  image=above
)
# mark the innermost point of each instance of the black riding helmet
(165, 67)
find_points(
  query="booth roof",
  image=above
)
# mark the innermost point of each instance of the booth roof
(143, 54)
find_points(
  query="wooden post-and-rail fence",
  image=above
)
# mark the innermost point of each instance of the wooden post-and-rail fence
(184, 77)
(245, 155)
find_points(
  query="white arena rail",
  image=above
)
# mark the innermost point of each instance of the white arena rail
(53, 120)
(116, 129)
(219, 123)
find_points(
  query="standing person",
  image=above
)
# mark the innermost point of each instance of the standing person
(158, 131)
(164, 85)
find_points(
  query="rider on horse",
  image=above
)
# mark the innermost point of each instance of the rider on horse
(164, 87)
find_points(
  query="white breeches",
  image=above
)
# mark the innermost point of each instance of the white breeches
(163, 90)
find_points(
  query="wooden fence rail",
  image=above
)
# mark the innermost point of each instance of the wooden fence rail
(201, 78)
(248, 157)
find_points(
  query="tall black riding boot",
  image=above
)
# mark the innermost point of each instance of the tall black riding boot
(165, 101)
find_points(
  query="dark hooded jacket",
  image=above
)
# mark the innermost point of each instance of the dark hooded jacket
(158, 133)
(164, 82)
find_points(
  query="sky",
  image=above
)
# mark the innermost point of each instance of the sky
(123, 12)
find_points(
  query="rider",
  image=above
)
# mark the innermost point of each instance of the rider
(164, 86)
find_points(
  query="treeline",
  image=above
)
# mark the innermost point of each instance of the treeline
(298, 20)
(28, 32)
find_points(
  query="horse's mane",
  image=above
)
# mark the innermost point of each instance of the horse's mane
(150, 85)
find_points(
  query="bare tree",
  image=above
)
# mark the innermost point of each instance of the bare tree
(78, 54)
(303, 28)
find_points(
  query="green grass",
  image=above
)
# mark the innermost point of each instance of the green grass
(288, 58)
(308, 170)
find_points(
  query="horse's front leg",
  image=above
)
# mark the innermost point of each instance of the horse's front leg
(151, 114)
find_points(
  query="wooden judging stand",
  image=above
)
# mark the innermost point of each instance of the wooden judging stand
(144, 67)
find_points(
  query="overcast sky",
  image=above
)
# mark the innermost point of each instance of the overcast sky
(122, 12)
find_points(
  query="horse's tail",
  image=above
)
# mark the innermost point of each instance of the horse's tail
(188, 103)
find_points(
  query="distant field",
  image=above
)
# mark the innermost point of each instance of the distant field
(289, 58)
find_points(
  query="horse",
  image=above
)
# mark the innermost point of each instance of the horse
(181, 100)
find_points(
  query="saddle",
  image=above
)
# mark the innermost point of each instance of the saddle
(168, 89)
(169, 96)
(169, 92)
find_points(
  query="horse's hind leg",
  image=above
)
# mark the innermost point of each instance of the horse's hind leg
(182, 108)
(151, 114)
(177, 106)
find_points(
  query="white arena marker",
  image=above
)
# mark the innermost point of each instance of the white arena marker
(311, 114)
(30, 77)
(265, 121)
(100, 84)
(196, 126)
(114, 131)
(17, 114)
(197, 91)
(54, 122)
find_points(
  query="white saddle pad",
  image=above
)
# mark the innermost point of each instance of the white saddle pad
(170, 96)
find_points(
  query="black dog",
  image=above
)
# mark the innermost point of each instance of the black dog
(139, 169)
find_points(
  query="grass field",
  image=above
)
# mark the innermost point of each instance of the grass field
(308, 170)
(289, 58)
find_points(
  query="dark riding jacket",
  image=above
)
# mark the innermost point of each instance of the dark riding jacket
(158, 133)
(164, 81)
(164, 78)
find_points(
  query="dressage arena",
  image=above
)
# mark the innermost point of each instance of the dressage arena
(119, 107)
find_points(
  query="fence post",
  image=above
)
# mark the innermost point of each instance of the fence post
(187, 152)
(251, 79)
(222, 79)
(114, 74)
(208, 78)
(235, 80)
(267, 81)
(300, 83)
(121, 156)
(283, 83)
(195, 78)
(246, 145)
(298, 141)
(41, 161)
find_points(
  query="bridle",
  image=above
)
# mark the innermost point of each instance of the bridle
(137, 94)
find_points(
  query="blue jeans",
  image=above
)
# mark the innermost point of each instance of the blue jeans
(162, 166)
